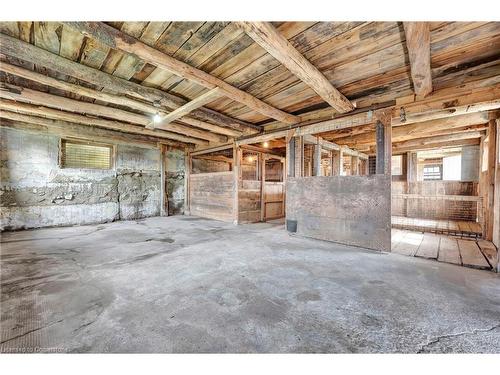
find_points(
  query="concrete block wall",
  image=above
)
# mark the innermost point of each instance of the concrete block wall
(36, 192)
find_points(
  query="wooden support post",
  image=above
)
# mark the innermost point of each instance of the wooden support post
(188, 162)
(490, 176)
(354, 166)
(383, 132)
(336, 162)
(299, 156)
(341, 162)
(496, 198)
(317, 159)
(163, 179)
(290, 157)
(262, 165)
(237, 181)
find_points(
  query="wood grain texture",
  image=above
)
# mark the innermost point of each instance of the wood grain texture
(275, 44)
(120, 41)
(418, 42)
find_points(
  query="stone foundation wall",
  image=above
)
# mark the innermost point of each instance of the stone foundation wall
(36, 192)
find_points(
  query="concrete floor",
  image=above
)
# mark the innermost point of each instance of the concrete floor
(184, 284)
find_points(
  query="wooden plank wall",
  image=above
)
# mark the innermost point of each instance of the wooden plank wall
(249, 201)
(211, 195)
(353, 210)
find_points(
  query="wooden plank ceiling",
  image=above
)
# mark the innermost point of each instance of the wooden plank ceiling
(366, 62)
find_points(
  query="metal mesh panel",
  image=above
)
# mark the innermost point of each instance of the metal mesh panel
(78, 154)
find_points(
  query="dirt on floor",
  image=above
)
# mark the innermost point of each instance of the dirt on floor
(185, 284)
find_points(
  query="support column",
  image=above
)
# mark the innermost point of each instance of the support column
(299, 156)
(354, 166)
(490, 176)
(237, 180)
(163, 179)
(290, 157)
(262, 165)
(384, 144)
(317, 159)
(188, 164)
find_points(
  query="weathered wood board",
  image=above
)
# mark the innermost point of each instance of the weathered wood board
(448, 251)
(211, 195)
(429, 247)
(471, 255)
(353, 210)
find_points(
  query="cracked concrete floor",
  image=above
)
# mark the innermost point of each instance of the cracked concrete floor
(184, 284)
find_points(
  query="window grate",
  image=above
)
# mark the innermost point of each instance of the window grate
(86, 155)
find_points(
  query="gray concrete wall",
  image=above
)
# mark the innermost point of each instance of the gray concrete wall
(36, 192)
(353, 210)
(470, 163)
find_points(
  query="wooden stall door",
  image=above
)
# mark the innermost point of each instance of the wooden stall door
(273, 206)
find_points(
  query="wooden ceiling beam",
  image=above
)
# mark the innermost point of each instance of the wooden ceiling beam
(435, 146)
(418, 42)
(110, 98)
(200, 101)
(437, 139)
(8, 106)
(26, 95)
(269, 38)
(118, 86)
(118, 40)
(69, 129)
(418, 129)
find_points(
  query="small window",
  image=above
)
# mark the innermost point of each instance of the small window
(397, 165)
(86, 155)
(433, 172)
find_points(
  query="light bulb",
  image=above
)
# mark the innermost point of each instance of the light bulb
(265, 144)
(156, 118)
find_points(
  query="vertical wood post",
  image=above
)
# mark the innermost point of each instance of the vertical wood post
(163, 179)
(236, 181)
(336, 162)
(384, 144)
(354, 166)
(490, 177)
(262, 166)
(299, 156)
(290, 156)
(187, 173)
(317, 159)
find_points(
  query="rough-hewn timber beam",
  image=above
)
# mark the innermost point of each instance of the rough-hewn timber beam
(118, 40)
(35, 55)
(55, 114)
(439, 145)
(438, 139)
(110, 98)
(67, 129)
(200, 101)
(25, 95)
(266, 35)
(418, 42)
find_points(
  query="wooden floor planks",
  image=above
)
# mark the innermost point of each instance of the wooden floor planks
(454, 227)
(471, 255)
(429, 247)
(479, 254)
(448, 251)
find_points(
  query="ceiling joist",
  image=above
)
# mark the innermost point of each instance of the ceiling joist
(266, 35)
(120, 41)
(418, 42)
(200, 101)
(26, 95)
(35, 55)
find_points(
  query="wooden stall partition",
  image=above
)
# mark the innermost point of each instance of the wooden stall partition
(211, 195)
